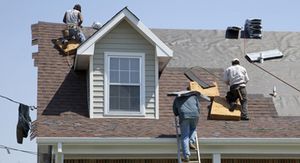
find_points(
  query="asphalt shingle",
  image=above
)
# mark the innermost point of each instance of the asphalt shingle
(63, 108)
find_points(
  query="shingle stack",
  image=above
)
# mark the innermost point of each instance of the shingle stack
(253, 28)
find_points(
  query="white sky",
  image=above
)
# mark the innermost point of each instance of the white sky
(19, 77)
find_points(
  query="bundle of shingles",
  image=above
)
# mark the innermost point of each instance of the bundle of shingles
(253, 28)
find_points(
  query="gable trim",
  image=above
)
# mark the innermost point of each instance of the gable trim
(87, 48)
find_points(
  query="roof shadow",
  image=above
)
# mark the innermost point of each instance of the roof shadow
(70, 96)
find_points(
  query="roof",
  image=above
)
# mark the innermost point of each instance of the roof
(210, 49)
(62, 103)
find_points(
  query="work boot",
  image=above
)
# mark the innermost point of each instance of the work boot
(245, 118)
(233, 106)
(186, 159)
(192, 146)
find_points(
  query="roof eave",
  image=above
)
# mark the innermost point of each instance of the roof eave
(143, 145)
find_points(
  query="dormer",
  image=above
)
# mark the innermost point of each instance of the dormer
(123, 60)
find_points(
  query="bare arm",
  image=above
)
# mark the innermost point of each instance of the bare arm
(80, 17)
(64, 20)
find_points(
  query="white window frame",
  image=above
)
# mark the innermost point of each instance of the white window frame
(107, 56)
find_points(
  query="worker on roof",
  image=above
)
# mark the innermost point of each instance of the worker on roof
(73, 18)
(187, 107)
(236, 77)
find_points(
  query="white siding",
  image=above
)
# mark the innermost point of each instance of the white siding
(123, 38)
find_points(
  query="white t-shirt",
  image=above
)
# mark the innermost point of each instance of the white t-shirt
(236, 74)
(72, 17)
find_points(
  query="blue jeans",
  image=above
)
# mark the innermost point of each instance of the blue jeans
(188, 134)
(76, 34)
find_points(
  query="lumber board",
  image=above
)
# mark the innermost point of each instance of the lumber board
(69, 49)
(220, 110)
(211, 92)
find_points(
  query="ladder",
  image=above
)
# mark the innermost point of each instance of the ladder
(179, 144)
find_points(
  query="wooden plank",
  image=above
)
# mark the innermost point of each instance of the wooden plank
(220, 110)
(211, 92)
(69, 49)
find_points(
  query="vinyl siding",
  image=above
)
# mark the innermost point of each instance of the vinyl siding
(123, 38)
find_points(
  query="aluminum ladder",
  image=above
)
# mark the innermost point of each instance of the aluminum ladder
(179, 144)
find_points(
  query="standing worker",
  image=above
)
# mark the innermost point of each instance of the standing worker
(187, 107)
(73, 18)
(236, 77)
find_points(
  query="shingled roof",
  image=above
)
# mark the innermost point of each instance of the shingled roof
(63, 109)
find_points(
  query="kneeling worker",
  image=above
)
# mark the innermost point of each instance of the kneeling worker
(73, 18)
(236, 77)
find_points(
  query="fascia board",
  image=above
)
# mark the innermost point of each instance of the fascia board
(273, 146)
(160, 52)
(150, 140)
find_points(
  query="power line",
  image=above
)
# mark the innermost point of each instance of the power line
(14, 101)
(265, 70)
(283, 81)
(15, 149)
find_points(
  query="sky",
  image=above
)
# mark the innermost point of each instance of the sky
(18, 79)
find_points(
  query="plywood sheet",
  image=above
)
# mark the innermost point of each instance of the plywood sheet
(70, 48)
(220, 110)
(211, 92)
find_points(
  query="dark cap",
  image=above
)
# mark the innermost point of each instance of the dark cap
(235, 61)
(77, 7)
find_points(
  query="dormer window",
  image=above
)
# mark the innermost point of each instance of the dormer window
(124, 83)
(124, 59)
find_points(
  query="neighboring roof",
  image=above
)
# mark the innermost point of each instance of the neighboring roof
(62, 94)
(87, 48)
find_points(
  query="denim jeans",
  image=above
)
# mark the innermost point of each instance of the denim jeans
(79, 36)
(188, 134)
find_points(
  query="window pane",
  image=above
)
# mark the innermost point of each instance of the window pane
(135, 104)
(124, 104)
(134, 64)
(114, 91)
(124, 77)
(134, 77)
(114, 77)
(127, 99)
(114, 64)
(114, 104)
(124, 63)
(124, 91)
(135, 91)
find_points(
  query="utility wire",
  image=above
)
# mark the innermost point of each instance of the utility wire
(278, 78)
(14, 101)
(15, 149)
(283, 81)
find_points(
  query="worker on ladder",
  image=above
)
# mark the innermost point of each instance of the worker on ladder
(236, 77)
(73, 19)
(187, 107)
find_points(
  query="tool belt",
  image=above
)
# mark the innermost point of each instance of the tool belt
(72, 26)
(68, 27)
(237, 86)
